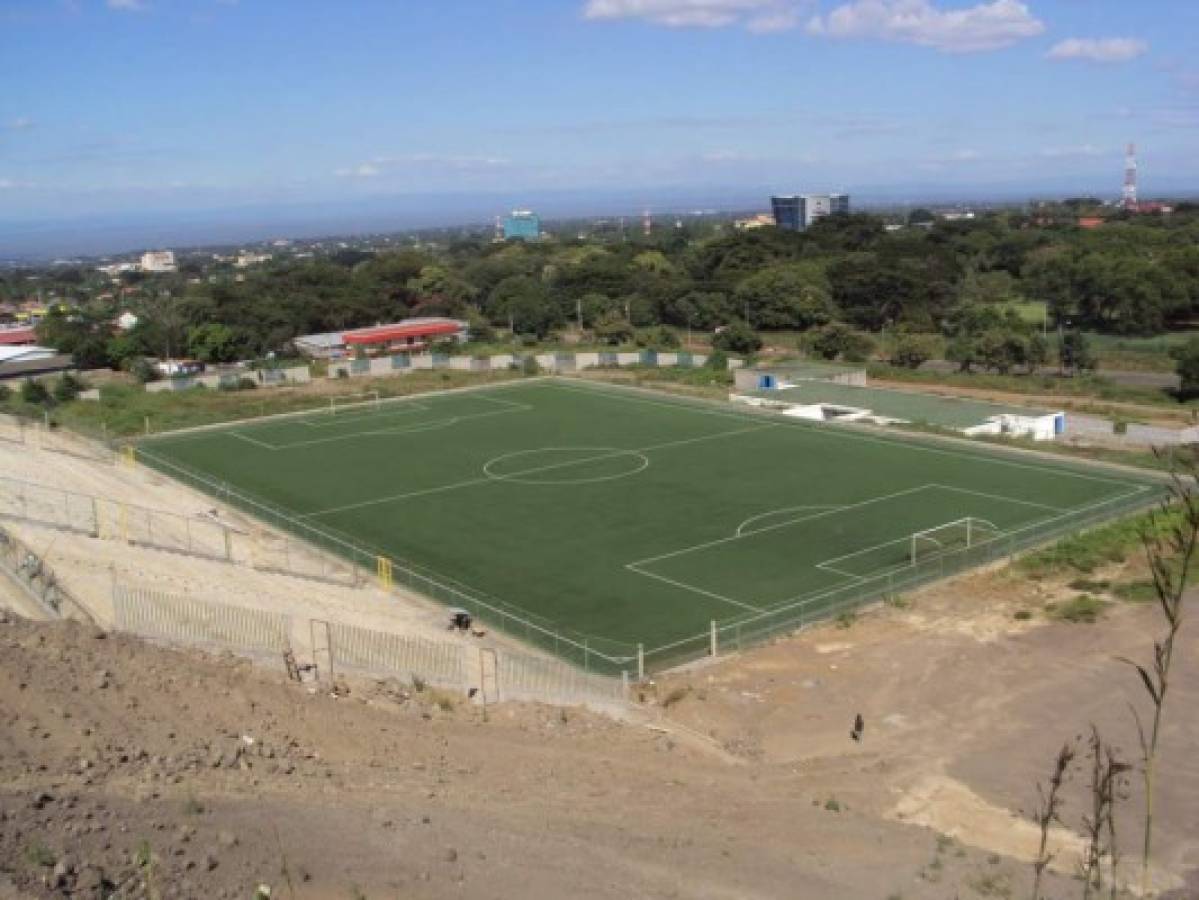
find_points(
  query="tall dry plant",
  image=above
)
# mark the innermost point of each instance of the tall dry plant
(1106, 787)
(1048, 811)
(1170, 540)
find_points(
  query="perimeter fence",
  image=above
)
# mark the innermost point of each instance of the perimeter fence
(589, 653)
(188, 620)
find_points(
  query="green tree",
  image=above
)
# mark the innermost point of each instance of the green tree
(1186, 359)
(613, 329)
(789, 296)
(911, 351)
(839, 341)
(212, 343)
(737, 337)
(1074, 351)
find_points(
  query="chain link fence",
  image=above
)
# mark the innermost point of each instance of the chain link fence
(188, 620)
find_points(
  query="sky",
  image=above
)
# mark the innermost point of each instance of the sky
(265, 113)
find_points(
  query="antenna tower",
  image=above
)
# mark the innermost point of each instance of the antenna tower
(647, 223)
(1130, 178)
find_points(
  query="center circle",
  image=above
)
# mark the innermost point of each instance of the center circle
(566, 465)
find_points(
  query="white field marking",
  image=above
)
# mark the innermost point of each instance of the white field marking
(808, 599)
(575, 462)
(741, 530)
(412, 429)
(695, 590)
(799, 599)
(999, 497)
(333, 420)
(765, 528)
(192, 432)
(254, 441)
(605, 453)
(843, 434)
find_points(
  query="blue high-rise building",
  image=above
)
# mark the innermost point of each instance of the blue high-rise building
(788, 212)
(522, 225)
(798, 211)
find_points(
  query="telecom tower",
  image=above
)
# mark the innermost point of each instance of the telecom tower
(647, 223)
(1130, 179)
(499, 230)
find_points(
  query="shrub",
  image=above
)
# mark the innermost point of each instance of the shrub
(246, 384)
(1081, 609)
(911, 351)
(530, 366)
(718, 360)
(34, 393)
(67, 388)
(5, 393)
(737, 337)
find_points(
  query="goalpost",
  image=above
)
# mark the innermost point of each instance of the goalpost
(960, 534)
(348, 401)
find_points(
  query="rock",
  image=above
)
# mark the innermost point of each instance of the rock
(226, 838)
(210, 862)
(100, 679)
(451, 855)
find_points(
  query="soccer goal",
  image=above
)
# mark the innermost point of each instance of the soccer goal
(353, 401)
(959, 534)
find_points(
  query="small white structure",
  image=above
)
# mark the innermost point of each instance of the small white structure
(127, 321)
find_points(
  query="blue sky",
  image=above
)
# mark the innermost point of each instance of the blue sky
(129, 106)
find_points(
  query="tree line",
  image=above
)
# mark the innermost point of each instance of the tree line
(963, 280)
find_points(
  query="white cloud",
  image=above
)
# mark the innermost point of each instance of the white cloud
(1099, 50)
(127, 5)
(1085, 150)
(8, 184)
(760, 16)
(424, 163)
(22, 123)
(986, 26)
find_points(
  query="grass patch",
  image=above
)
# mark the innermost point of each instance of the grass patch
(1139, 591)
(1116, 542)
(1089, 586)
(38, 854)
(1083, 609)
(990, 884)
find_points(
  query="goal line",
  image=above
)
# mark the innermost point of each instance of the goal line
(960, 534)
(353, 401)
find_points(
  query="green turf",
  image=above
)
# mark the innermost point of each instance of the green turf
(630, 517)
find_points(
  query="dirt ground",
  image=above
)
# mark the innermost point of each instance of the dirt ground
(174, 774)
(123, 763)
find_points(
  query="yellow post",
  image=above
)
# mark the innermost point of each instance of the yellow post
(124, 517)
(384, 569)
(129, 455)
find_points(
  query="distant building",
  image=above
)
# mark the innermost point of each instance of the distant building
(17, 336)
(245, 260)
(30, 361)
(1091, 222)
(409, 336)
(158, 261)
(523, 225)
(797, 212)
(761, 220)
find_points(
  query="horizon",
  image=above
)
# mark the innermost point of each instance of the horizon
(173, 122)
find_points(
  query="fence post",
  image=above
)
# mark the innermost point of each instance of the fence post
(713, 637)
(624, 684)
(95, 518)
(641, 662)
(229, 545)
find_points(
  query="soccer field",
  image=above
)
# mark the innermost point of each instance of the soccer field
(604, 518)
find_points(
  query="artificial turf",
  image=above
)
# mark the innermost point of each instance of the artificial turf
(628, 517)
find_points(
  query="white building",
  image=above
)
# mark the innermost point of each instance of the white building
(245, 259)
(158, 261)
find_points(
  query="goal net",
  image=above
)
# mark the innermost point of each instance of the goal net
(959, 534)
(353, 401)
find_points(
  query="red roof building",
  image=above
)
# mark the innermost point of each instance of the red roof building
(18, 336)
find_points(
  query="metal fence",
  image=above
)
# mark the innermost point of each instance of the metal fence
(188, 620)
(441, 663)
(38, 578)
(524, 677)
(198, 535)
(589, 653)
